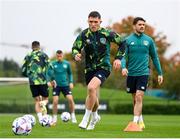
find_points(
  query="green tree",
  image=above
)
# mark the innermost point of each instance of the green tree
(172, 83)
(172, 76)
(9, 68)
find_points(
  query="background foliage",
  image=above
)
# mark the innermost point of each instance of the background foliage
(170, 67)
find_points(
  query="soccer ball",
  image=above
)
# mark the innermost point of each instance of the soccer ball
(30, 118)
(20, 126)
(46, 120)
(65, 116)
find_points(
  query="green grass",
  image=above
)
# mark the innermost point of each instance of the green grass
(20, 94)
(110, 126)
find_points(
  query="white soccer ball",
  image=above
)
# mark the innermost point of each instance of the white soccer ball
(20, 126)
(30, 118)
(46, 120)
(65, 116)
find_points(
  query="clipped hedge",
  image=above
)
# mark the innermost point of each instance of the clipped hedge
(14, 108)
(171, 109)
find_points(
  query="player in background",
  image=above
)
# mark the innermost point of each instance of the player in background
(35, 67)
(61, 79)
(140, 48)
(95, 41)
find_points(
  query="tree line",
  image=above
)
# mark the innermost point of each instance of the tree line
(9, 68)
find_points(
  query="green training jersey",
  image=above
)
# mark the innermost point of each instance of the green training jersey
(60, 71)
(96, 46)
(139, 50)
(35, 67)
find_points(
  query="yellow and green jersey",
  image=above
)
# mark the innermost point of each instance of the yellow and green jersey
(97, 48)
(35, 67)
(60, 71)
(139, 50)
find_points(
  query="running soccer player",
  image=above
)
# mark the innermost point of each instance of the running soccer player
(95, 41)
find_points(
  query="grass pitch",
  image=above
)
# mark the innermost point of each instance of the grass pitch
(110, 126)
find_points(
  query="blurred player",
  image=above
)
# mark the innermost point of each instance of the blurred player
(62, 81)
(35, 67)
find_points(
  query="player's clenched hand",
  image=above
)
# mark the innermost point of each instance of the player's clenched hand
(117, 64)
(71, 85)
(124, 72)
(160, 79)
(52, 84)
(49, 84)
(77, 57)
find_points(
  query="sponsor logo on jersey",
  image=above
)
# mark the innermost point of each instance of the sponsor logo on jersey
(64, 66)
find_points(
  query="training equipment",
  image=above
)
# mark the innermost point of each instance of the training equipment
(30, 118)
(65, 116)
(132, 127)
(46, 120)
(20, 126)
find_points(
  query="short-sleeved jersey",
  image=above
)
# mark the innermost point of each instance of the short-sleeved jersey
(97, 48)
(60, 72)
(35, 67)
(139, 50)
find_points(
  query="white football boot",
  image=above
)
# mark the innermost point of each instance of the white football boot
(73, 119)
(93, 122)
(83, 124)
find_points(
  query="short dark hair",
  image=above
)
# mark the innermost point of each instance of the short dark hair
(94, 14)
(59, 52)
(35, 44)
(138, 19)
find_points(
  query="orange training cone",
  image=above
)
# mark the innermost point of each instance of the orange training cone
(132, 127)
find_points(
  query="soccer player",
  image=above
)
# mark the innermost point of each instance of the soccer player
(95, 41)
(61, 75)
(35, 67)
(140, 48)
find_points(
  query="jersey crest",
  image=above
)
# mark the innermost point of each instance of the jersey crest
(146, 43)
(103, 40)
